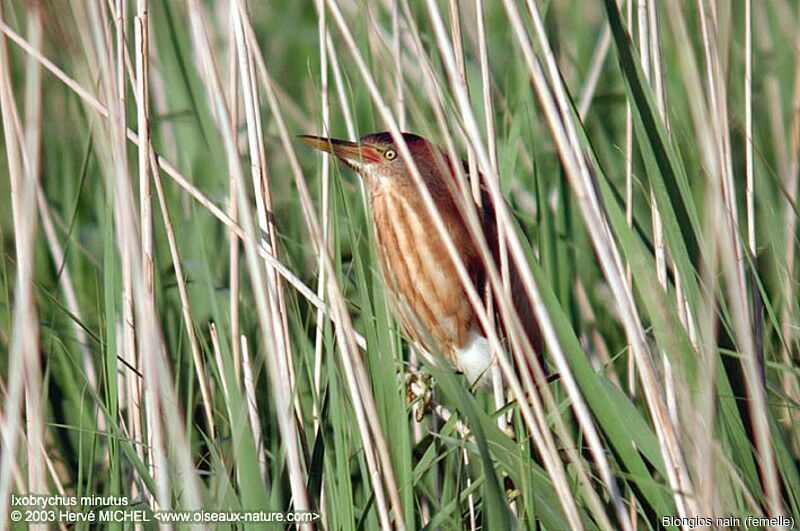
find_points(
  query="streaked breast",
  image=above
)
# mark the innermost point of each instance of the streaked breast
(418, 272)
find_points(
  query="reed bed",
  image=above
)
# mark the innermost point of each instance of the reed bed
(192, 311)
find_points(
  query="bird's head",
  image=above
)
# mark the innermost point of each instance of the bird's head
(376, 157)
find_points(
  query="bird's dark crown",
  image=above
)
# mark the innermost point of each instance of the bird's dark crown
(385, 138)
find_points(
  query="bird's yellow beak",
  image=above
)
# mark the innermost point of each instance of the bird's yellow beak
(349, 152)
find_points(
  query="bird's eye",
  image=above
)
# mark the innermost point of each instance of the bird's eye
(390, 154)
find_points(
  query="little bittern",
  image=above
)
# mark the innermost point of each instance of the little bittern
(417, 270)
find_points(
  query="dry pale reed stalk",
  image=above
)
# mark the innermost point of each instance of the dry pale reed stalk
(629, 196)
(141, 52)
(326, 228)
(748, 125)
(130, 381)
(141, 90)
(24, 347)
(233, 211)
(645, 55)
(31, 144)
(473, 524)
(325, 214)
(278, 372)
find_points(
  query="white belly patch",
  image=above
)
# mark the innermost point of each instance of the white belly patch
(475, 360)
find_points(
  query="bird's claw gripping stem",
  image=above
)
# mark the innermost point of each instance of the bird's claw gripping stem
(419, 392)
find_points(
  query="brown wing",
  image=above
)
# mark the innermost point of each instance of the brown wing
(519, 296)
